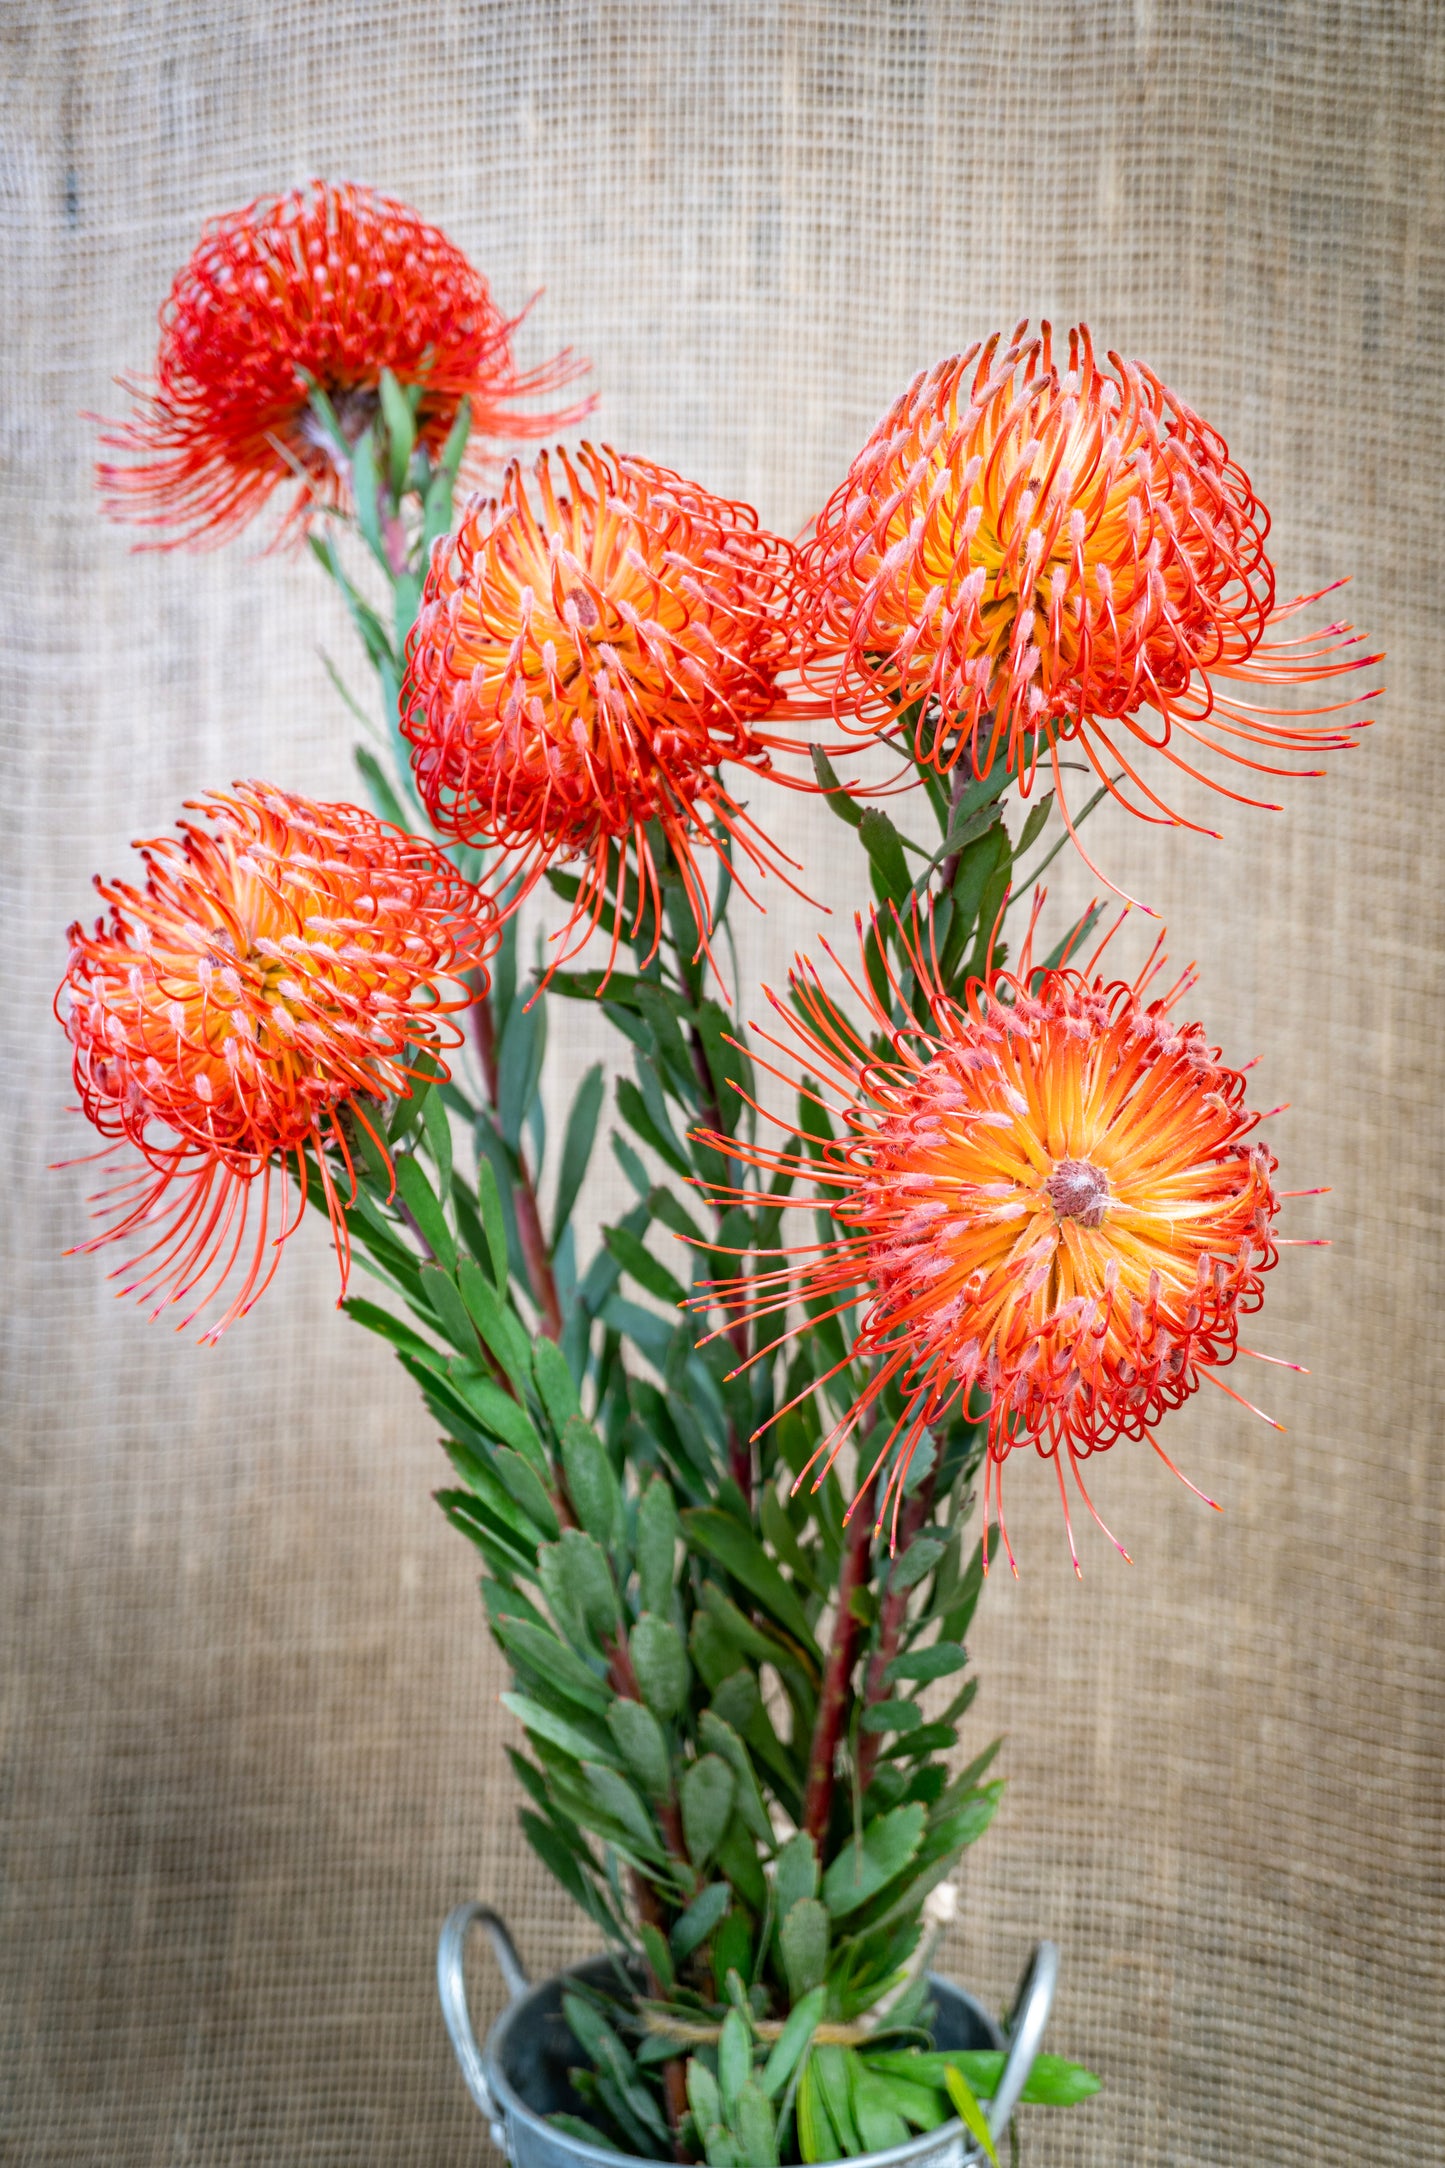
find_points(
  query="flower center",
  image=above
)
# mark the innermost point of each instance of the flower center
(1079, 1190)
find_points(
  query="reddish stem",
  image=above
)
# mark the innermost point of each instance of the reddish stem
(535, 1253)
(891, 1620)
(836, 1689)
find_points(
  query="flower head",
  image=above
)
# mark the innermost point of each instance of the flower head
(1028, 556)
(329, 285)
(592, 644)
(1052, 1198)
(285, 963)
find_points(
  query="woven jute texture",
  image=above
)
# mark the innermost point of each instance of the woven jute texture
(251, 1745)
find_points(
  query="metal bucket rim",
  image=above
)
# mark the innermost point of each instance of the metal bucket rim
(510, 2103)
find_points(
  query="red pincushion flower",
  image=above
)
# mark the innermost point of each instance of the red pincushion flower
(331, 283)
(1041, 556)
(591, 645)
(280, 966)
(1050, 1197)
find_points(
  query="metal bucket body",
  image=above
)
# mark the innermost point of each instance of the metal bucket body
(520, 2076)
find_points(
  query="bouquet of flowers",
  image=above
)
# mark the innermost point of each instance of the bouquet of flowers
(734, 1471)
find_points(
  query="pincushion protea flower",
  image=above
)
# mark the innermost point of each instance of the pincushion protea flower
(332, 284)
(1040, 557)
(592, 643)
(1051, 1198)
(284, 965)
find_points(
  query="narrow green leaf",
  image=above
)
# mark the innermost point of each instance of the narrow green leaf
(1033, 826)
(555, 1383)
(437, 1123)
(551, 1659)
(705, 1796)
(643, 1746)
(583, 1743)
(884, 845)
(803, 1942)
(734, 2060)
(798, 2029)
(448, 1309)
(961, 2093)
(423, 1204)
(525, 1486)
(519, 1066)
(795, 1873)
(738, 1550)
(499, 1326)
(890, 1841)
(656, 1546)
(833, 790)
(577, 1143)
(591, 1483)
(400, 432)
(752, 2119)
(636, 1259)
(934, 1662)
(697, 1923)
(489, 1205)
(633, 1109)
(660, 1661)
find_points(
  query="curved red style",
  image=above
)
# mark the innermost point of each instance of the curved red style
(332, 284)
(284, 964)
(1026, 556)
(592, 644)
(1051, 1198)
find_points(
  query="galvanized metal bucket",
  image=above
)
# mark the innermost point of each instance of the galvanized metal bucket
(520, 2076)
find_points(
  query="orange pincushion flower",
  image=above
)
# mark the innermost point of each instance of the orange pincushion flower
(281, 965)
(591, 645)
(332, 283)
(1050, 1198)
(1038, 556)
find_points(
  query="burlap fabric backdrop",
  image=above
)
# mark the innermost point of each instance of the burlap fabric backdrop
(252, 1751)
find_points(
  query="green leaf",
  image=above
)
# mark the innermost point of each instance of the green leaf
(798, 2029)
(660, 1661)
(738, 1550)
(616, 1797)
(437, 1123)
(577, 2126)
(833, 790)
(448, 1309)
(383, 797)
(860, 1871)
(705, 1796)
(1052, 2082)
(892, 1716)
(364, 492)
(884, 845)
(525, 1486)
(422, 1202)
(643, 1747)
(400, 431)
(880, 2126)
(961, 2093)
(553, 1662)
(917, 1562)
(576, 1579)
(831, 2064)
(577, 1146)
(931, 1663)
(489, 1205)
(587, 1744)
(633, 1109)
(728, 1065)
(697, 1923)
(703, 2096)
(722, 1739)
(498, 1325)
(734, 2060)
(795, 1873)
(501, 1415)
(1034, 824)
(591, 1483)
(803, 1942)
(752, 2120)
(519, 1066)
(555, 1383)
(816, 2139)
(636, 1259)
(655, 1549)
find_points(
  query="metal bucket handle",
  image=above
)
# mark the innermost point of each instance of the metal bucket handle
(1032, 2004)
(452, 1988)
(1033, 2001)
